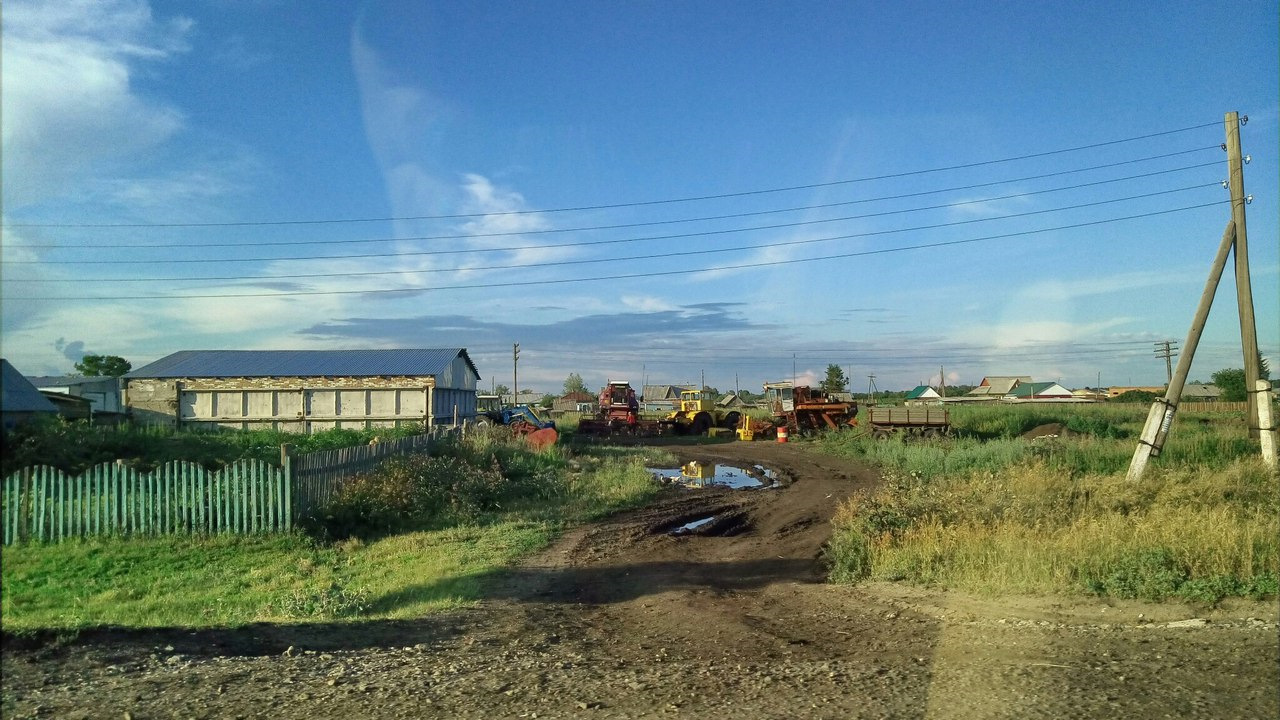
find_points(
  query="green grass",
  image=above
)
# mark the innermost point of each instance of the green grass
(1056, 515)
(231, 581)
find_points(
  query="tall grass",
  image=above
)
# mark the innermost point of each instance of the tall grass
(1055, 515)
(439, 563)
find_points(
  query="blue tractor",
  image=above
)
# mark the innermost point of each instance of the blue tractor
(522, 419)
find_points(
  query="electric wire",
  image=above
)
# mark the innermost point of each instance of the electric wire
(703, 233)
(643, 203)
(409, 291)
(649, 223)
(591, 261)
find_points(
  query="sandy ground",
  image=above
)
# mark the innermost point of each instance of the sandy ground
(625, 619)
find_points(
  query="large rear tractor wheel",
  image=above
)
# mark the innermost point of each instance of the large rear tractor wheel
(702, 422)
(731, 420)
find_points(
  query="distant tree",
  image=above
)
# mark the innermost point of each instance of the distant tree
(835, 381)
(501, 390)
(714, 391)
(547, 400)
(574, 384)
(103, 366)
(1230, 381)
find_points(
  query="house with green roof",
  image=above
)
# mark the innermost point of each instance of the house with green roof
(923, 395)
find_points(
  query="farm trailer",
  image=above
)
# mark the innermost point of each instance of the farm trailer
(924, 422)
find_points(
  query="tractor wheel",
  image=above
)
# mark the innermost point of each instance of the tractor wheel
(930, 433)
(881, 434)
(701, 424)
(731, 420)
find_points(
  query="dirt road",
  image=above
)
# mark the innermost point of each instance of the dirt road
(625, 619)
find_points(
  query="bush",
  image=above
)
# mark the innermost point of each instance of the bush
(1148, 574)
(461, 482)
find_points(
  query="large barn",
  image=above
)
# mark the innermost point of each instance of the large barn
(304, 390)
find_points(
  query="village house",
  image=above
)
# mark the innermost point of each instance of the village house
(994, 387)
(1038, 392)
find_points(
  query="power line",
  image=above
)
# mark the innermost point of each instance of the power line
(729, 216)
(624, 276)
(704, 233)
(643, 203)
(591, 261)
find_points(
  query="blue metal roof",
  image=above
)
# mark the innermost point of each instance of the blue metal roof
(302, 363)
(17, 394)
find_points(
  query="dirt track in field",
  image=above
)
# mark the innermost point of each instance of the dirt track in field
(623, 619)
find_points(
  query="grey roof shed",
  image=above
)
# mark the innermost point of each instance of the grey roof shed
(303, 363)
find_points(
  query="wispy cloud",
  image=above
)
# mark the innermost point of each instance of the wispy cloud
(68, 74)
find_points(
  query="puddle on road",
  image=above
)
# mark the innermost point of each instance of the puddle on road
(701, 473)
(691, 526)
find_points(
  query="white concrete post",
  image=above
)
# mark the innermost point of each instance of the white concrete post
(1266, 424)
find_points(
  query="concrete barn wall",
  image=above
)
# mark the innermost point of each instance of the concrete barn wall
(299, 404)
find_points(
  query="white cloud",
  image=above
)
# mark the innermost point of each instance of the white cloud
(647, 303)
(70, 103)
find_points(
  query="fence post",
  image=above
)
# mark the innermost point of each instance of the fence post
(288, 492)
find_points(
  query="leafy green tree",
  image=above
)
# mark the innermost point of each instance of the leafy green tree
(501, 390)
(547, 400)
(573, 384)
(1231, 380)
(103, 366)
(835, 380)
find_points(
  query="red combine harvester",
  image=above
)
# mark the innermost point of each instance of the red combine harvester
(619, 413)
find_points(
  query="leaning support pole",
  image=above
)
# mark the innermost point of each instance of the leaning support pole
(1160, 418)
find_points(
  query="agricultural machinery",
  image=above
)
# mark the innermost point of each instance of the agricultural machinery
(698, 413)
(522, 420)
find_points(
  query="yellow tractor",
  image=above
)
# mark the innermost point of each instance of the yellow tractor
(698, 414)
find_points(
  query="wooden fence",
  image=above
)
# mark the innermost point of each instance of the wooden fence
(319, 475)
(251, 496)
(44, 503)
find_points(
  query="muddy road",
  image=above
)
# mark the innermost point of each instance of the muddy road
(626, 618)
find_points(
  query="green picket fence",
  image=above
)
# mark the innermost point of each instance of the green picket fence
(45, 504)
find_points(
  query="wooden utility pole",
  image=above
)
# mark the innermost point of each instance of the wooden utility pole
(515, 374)
(1244, 290)
(1167, 352)
(1160, 418)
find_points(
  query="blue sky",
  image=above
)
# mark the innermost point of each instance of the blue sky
(655, 191)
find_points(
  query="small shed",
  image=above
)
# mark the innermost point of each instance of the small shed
(1201, 392)
(304, 390)
(103, 393)
(922, 395)
(661, 398)
(581, 401)
(20, 401)
(733, 401)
